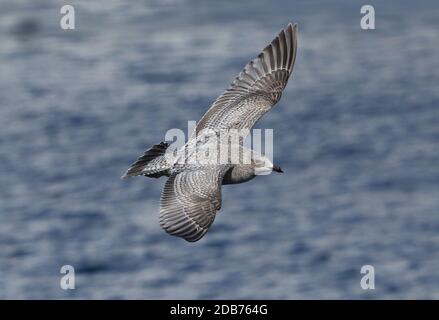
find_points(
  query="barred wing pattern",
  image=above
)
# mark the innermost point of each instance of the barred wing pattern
(192, 195)
(190, 200)
(257, 88)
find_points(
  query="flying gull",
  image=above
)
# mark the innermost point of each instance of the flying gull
(192, 194)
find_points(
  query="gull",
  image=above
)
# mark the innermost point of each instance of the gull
(191, 196)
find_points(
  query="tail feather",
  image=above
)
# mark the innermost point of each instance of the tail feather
(149, 159)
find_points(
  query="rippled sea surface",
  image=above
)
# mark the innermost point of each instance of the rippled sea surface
(356, 132)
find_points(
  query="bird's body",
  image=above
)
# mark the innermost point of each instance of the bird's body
(192, 194)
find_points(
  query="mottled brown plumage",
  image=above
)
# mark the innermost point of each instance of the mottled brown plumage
(192, 194)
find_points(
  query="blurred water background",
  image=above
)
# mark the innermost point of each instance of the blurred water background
(356, 133)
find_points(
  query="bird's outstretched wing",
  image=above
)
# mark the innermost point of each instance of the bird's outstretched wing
(257, 88)
(189, 202)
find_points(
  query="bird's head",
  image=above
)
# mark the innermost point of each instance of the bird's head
(264, 166)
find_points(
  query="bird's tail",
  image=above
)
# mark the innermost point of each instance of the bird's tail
(151, 164)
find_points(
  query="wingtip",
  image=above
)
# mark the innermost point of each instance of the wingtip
(290, 29)
(292, 26)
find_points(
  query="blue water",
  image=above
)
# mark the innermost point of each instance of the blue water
(356, 133)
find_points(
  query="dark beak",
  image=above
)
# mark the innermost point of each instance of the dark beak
(277, 169)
